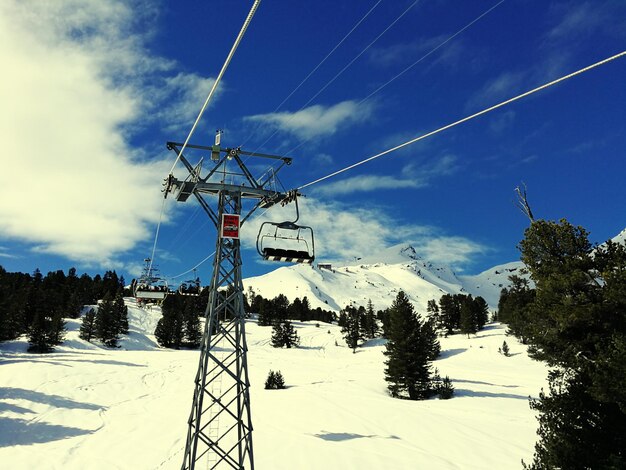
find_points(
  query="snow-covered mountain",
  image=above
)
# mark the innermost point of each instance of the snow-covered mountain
(379, 277)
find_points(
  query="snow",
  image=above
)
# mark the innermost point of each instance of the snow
(85, 406)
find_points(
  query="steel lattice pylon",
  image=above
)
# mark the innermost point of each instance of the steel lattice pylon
(220, 424)
(222, 379)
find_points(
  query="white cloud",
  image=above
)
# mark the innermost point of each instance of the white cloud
(579, 19)
(317, 120)
(73, 86)
(414, 176)
(342, 232)
(452, 251)
(364, 183)
(503, 86)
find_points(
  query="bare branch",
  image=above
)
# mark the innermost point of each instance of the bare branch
(522, 202)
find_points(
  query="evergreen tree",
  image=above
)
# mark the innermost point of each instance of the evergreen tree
(505, 349)
(106, 322)
(370, 323)
(468, 319)
(88, 326)
(431, 339)
(433, 312)
(353, 330)
(274, 381)
(121, 312)
(192, 332)
(577, 323)
(513, 307)
(169, 329)
(39, 334)
(408, 370)
(481, 310)
(284, 335)
(74, 305)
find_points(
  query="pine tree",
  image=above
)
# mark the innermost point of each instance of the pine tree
(121, 312)
(505, 349)
(74, 305)
(577, 323)
(433, 312)
(274, 381)
(106, 322)
(169, 329)
(468, 321)
(482, 312)
(192, 332)
(353, 330)
(431, 339)
(39, 334)
(408, 370)
(88, 326)
(370, 323)
(284, 335)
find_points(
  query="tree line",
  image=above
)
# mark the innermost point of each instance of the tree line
(573, 316)
(36, 305)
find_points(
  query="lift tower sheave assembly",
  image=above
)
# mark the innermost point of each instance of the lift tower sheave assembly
(220, 425)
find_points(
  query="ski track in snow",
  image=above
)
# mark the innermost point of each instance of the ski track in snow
(88, 407)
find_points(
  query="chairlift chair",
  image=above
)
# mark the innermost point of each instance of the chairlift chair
(286, 241)
(150, 287)
(190, 288)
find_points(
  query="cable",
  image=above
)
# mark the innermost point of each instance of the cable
(219, 77)
(156, 237)
(342, 70)
(465, 119)
(186, 272)
(318, 66)
(411, 66)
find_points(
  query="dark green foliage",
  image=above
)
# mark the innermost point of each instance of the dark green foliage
(24, 297)
(505, 349)
(180, 324)
(274, 381)
(433, 312)
(513, 307)
(107, 322)
(449, 313)
(468, 322)
(44, 333)
(370, 322)
(169, 329)
(284, 335)
(408, 368)
(577, 323)
(446, 389)
(459, 312)
(353, 330)
(192, 332)
(121, 311)
(431, 339)
(88, 326)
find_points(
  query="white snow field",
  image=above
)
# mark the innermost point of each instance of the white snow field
(88, 407)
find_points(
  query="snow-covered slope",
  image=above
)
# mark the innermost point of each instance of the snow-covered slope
(87, 407)
(379, 277)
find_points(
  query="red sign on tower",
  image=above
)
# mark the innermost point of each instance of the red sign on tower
(230, 226)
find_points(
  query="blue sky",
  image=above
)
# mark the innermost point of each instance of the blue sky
(92, 91)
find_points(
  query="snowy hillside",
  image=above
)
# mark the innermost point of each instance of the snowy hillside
(86, 407)
(379, 277)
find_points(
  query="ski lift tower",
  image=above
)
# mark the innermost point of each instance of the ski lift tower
(220, 425)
